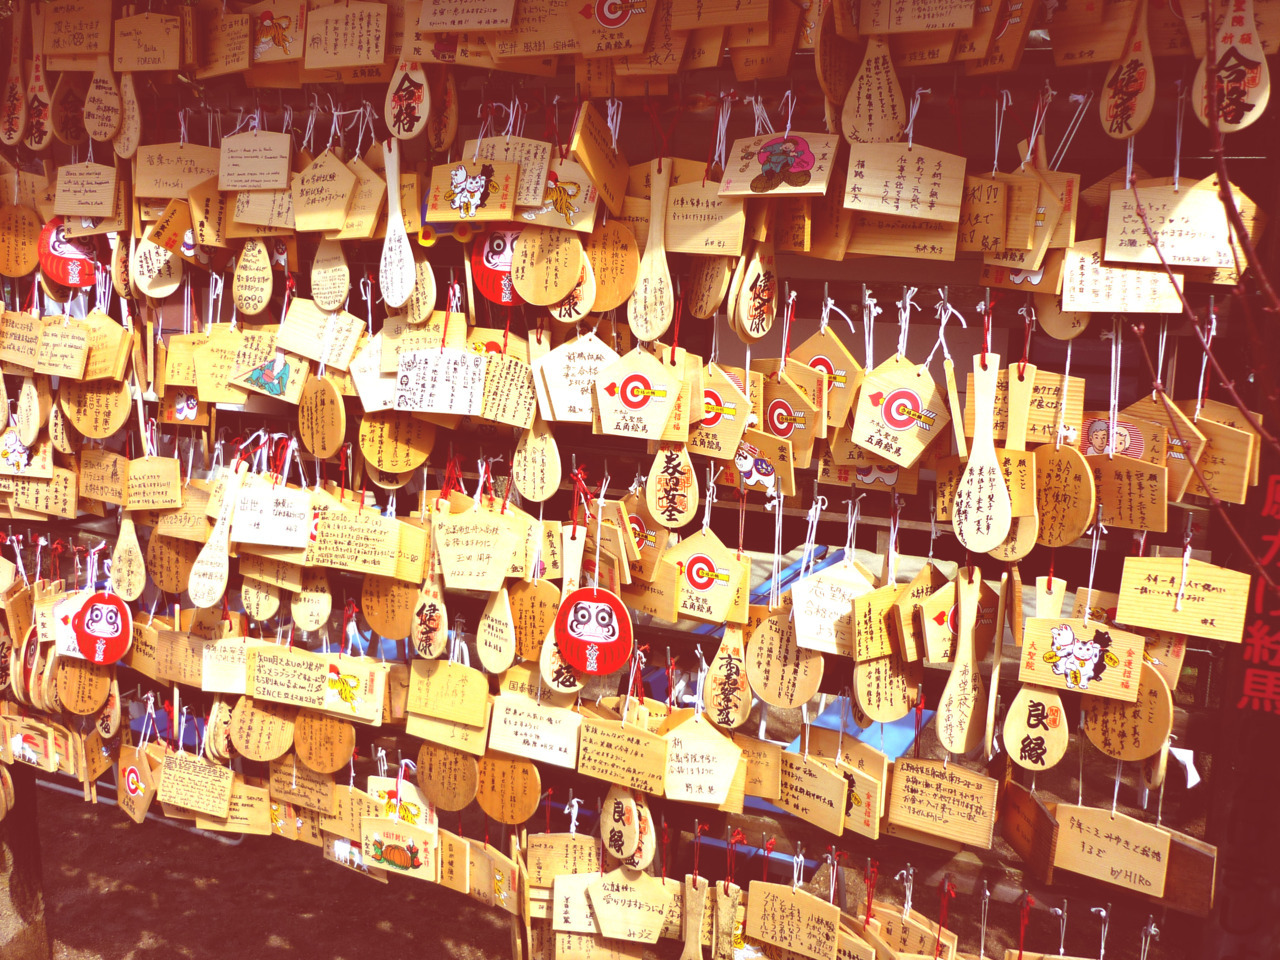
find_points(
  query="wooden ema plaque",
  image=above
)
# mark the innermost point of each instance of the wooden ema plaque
(1210, 601)
(1112, 847)
(944, 800)
(1070, 654)
(792, 919)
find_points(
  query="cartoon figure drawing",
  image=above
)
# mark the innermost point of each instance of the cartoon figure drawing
(271, 377)
(878, 473)
(1079, 660)
(1129, 442)
(400, 856)
(468, 193)
(500, 887)
(279, 252)
(271, 31)
(15, 456)
(558, 196)
(755, 471)
(185, 406)
(193, 250)
(395, 807)
(346, 685)
(783, 160)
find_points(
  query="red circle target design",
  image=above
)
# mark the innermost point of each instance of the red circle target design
(635, 391)
(781, 419)
(700, 572)
(826, 366)
(613, 13)
(638, 530)
(133, 782)
(898, 407)
(711, 406)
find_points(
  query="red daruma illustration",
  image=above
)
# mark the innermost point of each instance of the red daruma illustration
(103, 628)
(593, 631)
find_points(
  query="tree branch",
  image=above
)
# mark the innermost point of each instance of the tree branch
(1216, 504)
(1230, 386)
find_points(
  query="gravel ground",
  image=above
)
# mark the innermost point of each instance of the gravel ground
(118, 891)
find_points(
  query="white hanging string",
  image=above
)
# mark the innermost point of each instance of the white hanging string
(1117, 334)
(16, 540)
(722, 131)
(853, 514)
(364, 125)
(869, 313)
(1061, 914)
(1037, 123)
(485, 111)
(1161, 341)
(1102, 914)
(1204, 359)
(217, 283)
(804, 729)
(1003, 99)
(933, 526)
(811, 532)
(1128, 160)
(904, 317)
(986, 903)
(700, 683)
(1082, 101)
(787, 315)
(907, 878)
(514, 112)
(148, 722)
(797, 867)
(760, 115)
(571, 808)
(366, 292)
(613, 118)
(1148, 932)
(637, 666)
(182, 723)
(830, 305)
(1060, 433)
(1178, 117)
(911, 115)
(1186, 564)
(775, 504)
(788, 103)
(891, 559)
(187, 317)
(945, 311)
(710, 496)
(309, 132)
(1098, 530)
